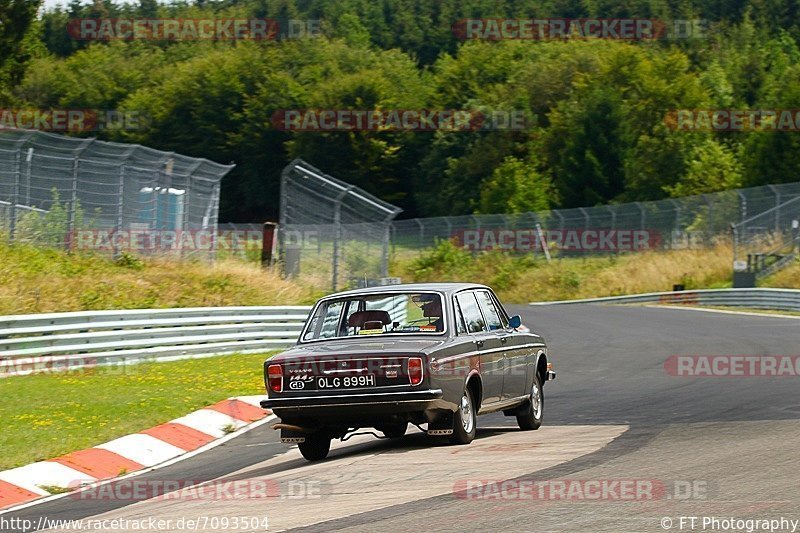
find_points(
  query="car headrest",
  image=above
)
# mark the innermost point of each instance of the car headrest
(359, 318)
(432, 309)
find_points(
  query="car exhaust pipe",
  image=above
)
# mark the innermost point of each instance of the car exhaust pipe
(292, 428)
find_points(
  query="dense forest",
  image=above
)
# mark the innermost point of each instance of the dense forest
(596, 129)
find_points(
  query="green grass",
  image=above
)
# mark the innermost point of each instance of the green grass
(47, 415)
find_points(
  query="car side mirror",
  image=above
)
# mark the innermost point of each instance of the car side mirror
(515, 321)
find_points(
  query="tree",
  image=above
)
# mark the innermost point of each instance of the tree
(712, 167)
(516, 187)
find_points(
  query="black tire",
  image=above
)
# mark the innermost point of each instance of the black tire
(530, 417)
(394, 431)
(465, 421)
(315, 447)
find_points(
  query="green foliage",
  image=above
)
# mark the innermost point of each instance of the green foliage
(128, 260)
(596, 108)
(515, 187)
(52, 227)
(713, 167)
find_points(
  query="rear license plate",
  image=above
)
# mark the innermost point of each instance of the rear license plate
(346, 382)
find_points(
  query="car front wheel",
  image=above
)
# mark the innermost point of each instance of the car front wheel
(531, 415)
(315, 447)
(465, 420)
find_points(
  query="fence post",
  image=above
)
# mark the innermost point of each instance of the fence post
(120, 212)
(677, 221)
(337, 232)
(743, 204)
(613, 217)
(385, 251)
(709, 215)
(585, 217)
(642, 215)
(12, 222)
(73, 201)
(28, 169)
(777, 194)
(215, 222)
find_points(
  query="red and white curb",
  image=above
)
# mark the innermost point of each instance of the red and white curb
(131, 453)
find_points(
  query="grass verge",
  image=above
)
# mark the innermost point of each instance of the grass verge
(47, 415)
(522, 279)
(39, 280)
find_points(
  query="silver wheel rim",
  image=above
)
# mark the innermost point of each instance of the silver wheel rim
(536, 401)
(466, 413)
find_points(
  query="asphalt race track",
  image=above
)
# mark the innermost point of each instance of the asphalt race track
(707, 447)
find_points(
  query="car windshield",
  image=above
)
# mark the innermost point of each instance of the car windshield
(376, 314)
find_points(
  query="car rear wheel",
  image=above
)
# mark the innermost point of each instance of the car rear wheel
(465, 420)
(531, 416)
(315, 447)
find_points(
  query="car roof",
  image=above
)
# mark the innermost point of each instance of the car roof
(447, 288)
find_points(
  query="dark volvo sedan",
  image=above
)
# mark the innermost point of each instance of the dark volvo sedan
(435, 354)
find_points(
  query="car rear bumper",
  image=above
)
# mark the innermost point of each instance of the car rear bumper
(412, 399)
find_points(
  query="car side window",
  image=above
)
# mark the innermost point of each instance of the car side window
(325, 322)
(472, 313)
(461, 328)
(489, 309)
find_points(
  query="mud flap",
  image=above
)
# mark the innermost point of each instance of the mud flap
(443, 425)
(292, 437)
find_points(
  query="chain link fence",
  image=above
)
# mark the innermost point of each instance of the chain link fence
(332, 229)
(764, 243)
(678, 223)
(87, 194)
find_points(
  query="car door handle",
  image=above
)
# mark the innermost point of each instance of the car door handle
(503, 340)
(478, 343)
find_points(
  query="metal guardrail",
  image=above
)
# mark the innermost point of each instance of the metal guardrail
(60, 341)
(778, 299)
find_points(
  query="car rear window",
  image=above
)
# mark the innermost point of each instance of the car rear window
(377, 314)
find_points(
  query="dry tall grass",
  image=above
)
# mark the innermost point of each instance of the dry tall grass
(39, 280)
(520, 279)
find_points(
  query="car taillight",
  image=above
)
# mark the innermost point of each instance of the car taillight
(415, 370)
(275, 378)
